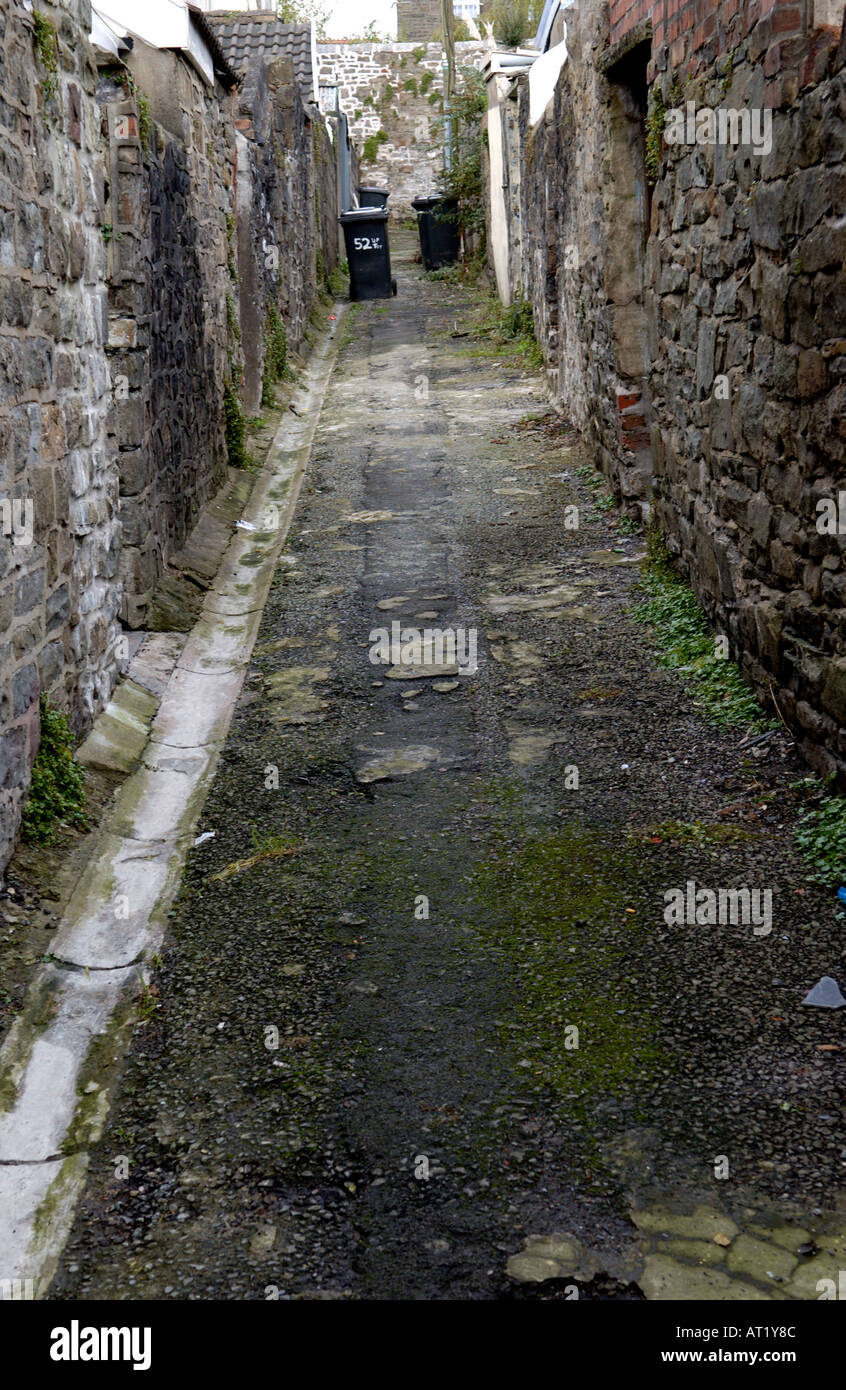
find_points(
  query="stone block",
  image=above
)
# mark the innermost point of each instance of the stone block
(29, 591)
(25, 691)
(14, 759)
(759, 518)
(123, 332)
(834, 689)
(811, 374)
(132, 421)
(58, 608)
(768, 224)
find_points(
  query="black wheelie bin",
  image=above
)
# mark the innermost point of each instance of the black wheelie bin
(373, 197)
(437, 221)
(368, 253)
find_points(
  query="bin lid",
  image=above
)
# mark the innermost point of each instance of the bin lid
(363, 215)
(370, 188)
(427, 201)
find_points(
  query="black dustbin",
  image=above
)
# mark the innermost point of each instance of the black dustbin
(437, 221)
(368, 253)
(373, 197)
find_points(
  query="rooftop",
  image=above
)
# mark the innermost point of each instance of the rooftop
(245, 37)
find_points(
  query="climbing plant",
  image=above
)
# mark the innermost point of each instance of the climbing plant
(370, 150)
(145, 121)
(655, 122)
(47, 51)
(464, 180)
(276, 366)
(236, 429)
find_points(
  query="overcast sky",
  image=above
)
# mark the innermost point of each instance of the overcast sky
(350, 17)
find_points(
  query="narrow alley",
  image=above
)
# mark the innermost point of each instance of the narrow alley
(422, 1027)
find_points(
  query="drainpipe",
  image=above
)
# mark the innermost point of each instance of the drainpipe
(344, 156)
(448, 122)
(449, 81)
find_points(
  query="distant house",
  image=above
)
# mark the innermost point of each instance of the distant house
(421, 21)
(418, 21)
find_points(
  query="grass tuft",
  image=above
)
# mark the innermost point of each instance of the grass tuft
(686, 645)
(513, 329)
(267, 848)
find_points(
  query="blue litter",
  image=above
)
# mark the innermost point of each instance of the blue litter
(841, 893)
(825, 995)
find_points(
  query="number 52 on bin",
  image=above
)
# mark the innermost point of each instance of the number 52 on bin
(367, 243)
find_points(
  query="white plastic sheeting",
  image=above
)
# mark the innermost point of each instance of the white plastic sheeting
(103, 37)
(543, 79)
(162, 24)
(548, 18)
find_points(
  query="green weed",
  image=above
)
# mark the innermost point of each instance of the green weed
(337, 281)
(514, 327)
(47, 50)
(276, 366)
(236, 429)
(821, 837)
(686, 645)
(57, 790)
(370, 149)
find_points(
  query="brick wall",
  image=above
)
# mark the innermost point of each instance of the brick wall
(788, 35)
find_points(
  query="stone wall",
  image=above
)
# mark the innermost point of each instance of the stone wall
(419, 21)
(223, 209)
(583, 229)
(148, 226)
(287, 215)
(392, 95)
(747, 308)
(59, 588)
(694, 321)
(173, 319)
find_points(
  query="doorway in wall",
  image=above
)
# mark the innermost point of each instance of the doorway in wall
(628, 212)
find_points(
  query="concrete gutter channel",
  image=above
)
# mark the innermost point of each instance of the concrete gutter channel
(62, 1056)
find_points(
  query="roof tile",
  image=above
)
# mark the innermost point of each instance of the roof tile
(246, 37)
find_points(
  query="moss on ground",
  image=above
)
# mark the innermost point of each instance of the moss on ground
(564, 914)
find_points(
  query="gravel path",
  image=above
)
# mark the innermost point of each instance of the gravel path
(446, 896)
